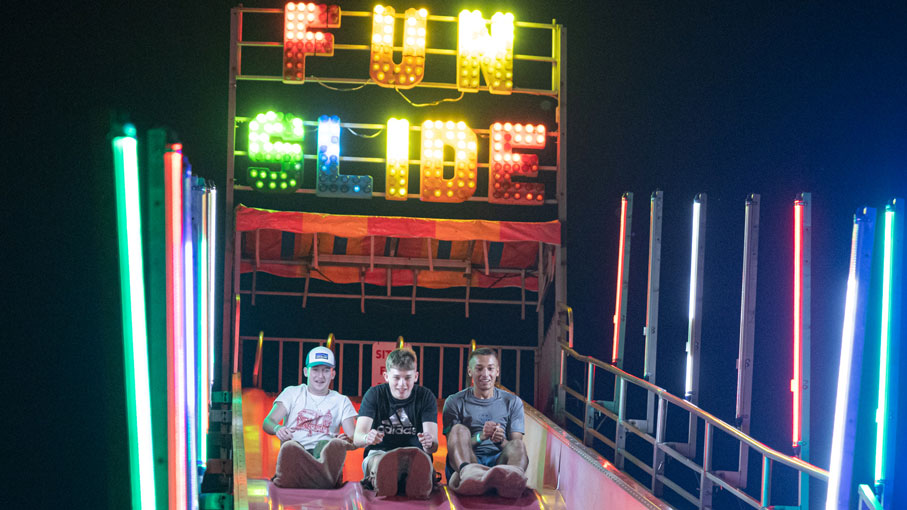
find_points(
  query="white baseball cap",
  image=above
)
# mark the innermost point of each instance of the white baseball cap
(320, 356)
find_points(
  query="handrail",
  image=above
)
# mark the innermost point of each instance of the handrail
(705, 415)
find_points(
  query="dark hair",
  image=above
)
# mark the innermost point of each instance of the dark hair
(402, 359)
(483, 351)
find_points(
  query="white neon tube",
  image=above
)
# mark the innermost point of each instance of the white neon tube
(694, 276)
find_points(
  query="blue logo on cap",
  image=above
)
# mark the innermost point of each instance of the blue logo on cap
(321, 355)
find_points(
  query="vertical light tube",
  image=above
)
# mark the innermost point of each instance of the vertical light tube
(796, 382)
(691, 379)
(889, 417)
(623, 277)
(203, 323)
(191, 336)
(135, 339)
(176, 404)
(212, 283)
(883, 350)
(843, 436)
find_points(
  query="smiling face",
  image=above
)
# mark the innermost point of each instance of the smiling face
(483, 370)
(319, 378)
(401, 382)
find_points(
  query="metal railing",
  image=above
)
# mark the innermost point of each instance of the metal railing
(708, 478)
(461, 354)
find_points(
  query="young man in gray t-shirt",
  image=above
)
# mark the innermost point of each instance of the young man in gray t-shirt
(484, 429)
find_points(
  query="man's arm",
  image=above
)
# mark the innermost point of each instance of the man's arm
(272, 426)
(363, 431)
(349, 427)
(429, 430)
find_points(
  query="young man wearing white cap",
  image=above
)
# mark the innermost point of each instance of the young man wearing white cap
(312, 450)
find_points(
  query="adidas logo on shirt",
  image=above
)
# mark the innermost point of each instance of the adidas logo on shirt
(399, 423)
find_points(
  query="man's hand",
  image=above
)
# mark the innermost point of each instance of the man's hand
(488, 429)
(426, 440)
(498, 435)
(283, 433)
(346, 439)
(374, 437)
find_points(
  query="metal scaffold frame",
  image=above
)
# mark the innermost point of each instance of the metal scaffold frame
(546, 273)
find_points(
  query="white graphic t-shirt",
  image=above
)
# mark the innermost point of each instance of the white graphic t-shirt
(312, 418)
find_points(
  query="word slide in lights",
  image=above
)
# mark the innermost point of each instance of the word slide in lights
(298, 41)
(434, 187)
(480, 53)
(504, 163)
(411, 68)
(397, 166)
(276, 138)
(329, 181)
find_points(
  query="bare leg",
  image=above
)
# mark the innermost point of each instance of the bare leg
(514, 454)
(458, 448)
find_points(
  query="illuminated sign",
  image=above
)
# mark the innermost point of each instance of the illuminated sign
(480, 54)
(505, 164)
(277, 138)
(330, 182)
(299, 42)
(398, 48)
(411, 68)
(434, 187)
(396, 174)
(492, 54)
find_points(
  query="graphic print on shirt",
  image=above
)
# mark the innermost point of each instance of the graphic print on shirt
(399, 423)
(312, 422)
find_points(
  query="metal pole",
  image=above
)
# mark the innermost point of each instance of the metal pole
(653, 289)
(229, 234)
(747, 328)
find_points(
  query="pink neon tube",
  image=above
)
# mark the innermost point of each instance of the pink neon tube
(615, 343)
(176, 433)
(796, 383)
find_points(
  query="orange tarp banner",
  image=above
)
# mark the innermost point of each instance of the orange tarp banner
(285, 244)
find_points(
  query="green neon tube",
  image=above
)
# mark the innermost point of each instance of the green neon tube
(135, 339)
(881, 413)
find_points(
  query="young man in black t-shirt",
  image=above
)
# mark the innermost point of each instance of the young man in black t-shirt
(398, 426)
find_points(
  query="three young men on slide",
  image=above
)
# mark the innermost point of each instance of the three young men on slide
(397, 425)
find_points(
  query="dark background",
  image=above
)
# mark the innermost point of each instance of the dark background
(726, 99)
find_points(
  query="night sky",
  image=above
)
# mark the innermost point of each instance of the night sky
(722, 98)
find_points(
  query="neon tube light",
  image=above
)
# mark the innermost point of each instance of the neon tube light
(796, 382)
(135, 339)
(843, 436)
(694, 277)
(191, 338)
(615, 342)
(882, 412)
(176, 422)
(203, 323)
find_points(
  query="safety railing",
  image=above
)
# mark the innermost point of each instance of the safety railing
(708, 477)
(513, 364)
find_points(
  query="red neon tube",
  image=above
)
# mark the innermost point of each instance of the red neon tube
(176, 433)
(615, 343)
(796, 382)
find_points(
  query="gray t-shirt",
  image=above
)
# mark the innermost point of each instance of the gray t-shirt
(504, 408)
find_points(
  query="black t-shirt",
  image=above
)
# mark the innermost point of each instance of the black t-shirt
(400, 420)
